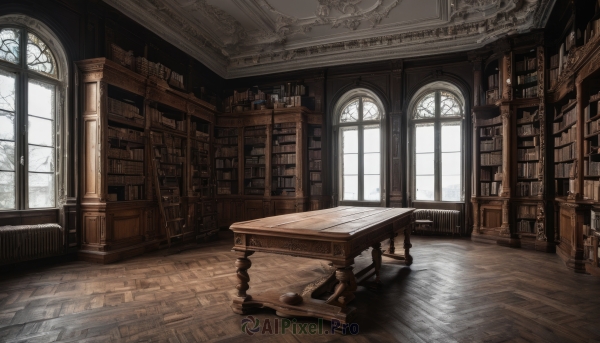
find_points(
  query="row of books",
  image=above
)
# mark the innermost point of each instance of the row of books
(224, 132)
(492, 144)
(126, 110)
(226, 152)
(256, 131)
(169, 155)
(283, 148)
(529, 92)
(527, 189)
(490, 131)
(566, 137)
(284, 182)
(200, 146)
(562, 169)
(130, 192)
(314, 165)
(315, 176)
(490, 188)
(126, 134)
(525, 226)
(592, 127)
(289, 125)
(528, 63)
(226, 163)
(553, 75)
(227, 174)
(284, 139)
(314, 154)
(131, 154)
(534, 141)
(569, 118)
(261, 151)
(527, 117)
(160, 118)
(314, 143)
(284, 159)
(527, 211)
(491, 121)
(284, 171)
(528, 170)
(316, 189)
(591, 189)
(255, 183)
(168, 170)
(227, 140)
(255, 160)
(252, 140)
(531, 154)
(527, 130)
(593, 168)
(254, 172)
(125, 180)
(527, 78)
(490, 159)
(493, 81)
(485, 174)
(125, 167)
(565, 153)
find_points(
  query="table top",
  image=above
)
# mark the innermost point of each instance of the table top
(344, 222)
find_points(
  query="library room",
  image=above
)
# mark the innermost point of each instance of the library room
(299, 171)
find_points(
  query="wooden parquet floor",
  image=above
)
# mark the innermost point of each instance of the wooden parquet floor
(456, 291)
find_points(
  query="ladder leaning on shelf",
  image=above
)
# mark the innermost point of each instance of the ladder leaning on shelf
(168, 195)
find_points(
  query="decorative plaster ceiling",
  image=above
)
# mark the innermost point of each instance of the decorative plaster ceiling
(237, 38)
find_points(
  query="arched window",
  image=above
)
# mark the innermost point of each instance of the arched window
(359, 161)
(30, 112)
(437, 118)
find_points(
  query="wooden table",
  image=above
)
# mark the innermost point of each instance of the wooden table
(336, 234)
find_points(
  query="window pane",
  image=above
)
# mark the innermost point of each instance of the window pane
(370, 110)
(349, 140)
(372, 163)
(41, 159)
(372, 143)
(41, 131)
(425, 164)
(7, 91)
(350, 187)
(424, 138)
(451, 137)
(39, 56)
(449, 105)
(426, 107)
(41, 99)
(451, 188)
(350, 166)
(7, 155)
(451, 163)
(9, 45)
(7, 190)
(350, 112)
(425, 188)
(371, 191)
(41, 190)
(7, 126)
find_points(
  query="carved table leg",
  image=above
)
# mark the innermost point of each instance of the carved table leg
(408, 260)
(242, 264)
(392, 249)
(376, 254)
(344, 291)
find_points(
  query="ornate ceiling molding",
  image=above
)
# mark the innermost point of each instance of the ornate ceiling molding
(348, 33)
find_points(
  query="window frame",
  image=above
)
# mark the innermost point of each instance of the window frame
(23, 74)
(360, 125)
(437, 120)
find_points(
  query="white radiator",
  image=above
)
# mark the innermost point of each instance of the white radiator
(444, 221)
(27, 242)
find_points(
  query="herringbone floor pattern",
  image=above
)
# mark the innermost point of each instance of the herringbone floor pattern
(455, 291)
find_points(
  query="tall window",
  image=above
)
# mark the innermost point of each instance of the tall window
(28, 101)
(437, 122)
(359, 162)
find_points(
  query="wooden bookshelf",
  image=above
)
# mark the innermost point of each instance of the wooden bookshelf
(284, 160)
(315, 161)
(564, 132)
(490, 156)
(528, 152)
(255, 146)
(227, 160)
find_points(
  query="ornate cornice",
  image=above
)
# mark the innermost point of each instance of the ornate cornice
(218, 40)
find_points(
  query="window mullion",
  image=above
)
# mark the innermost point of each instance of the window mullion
(437, 148)
(361, 156)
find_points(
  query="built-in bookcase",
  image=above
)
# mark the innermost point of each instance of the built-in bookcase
(528, 152)
(255, 145)
(490, 156)
(525, 83)
(226, 160)
(564, 131)
(283, 160)
(200, 160)
(315, 164)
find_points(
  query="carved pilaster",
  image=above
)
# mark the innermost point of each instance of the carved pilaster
(505, 113)
(507, 94)
(505, 228)
(540, 223)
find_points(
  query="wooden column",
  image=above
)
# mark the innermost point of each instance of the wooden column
(268, 157)
(581, 104)
(395, 138)
(506, 145)
(301, 134)
(477, 86)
